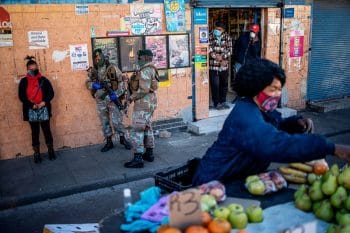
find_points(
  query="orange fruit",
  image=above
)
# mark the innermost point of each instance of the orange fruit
(242, 231)
(168, 229)
(206, 218)
(196, 229)
(320, 168)
(218, 225)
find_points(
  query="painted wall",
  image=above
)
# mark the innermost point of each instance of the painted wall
(75, 122)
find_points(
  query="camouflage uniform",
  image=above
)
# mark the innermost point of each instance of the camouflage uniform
(107, 110)
(145, 102)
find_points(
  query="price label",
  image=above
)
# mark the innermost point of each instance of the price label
(303, 228)
(185, 208)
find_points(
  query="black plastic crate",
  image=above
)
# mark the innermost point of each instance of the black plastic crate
(177, 179)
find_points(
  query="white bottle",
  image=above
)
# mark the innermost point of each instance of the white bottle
(127, 198)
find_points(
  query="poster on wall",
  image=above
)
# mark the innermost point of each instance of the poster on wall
(157, 44)
(109, 47)
(128, 49)
(175, 15)
(81, 9)
(296, 43)
(203, 35)
(179, 55)
(79, 56)
(5, 29)
(38, 40)
(145, 19)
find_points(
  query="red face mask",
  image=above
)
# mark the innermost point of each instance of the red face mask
(268, 103)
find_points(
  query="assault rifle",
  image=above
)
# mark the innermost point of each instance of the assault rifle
(109, 91)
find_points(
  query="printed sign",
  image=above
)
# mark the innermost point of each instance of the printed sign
(175, 15)
(203, 35)
(200, 16)
(38, 40)
(296, 43)
(79, 57)
(81, 9)
(129, 46)
(289, 13)
(185, 208)
(179, 55)
(109, 47)
(144, 19)
(5, 29)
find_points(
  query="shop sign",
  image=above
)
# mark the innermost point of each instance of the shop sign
(175, 15)
(38, 40)
(81, 9)
(289, 13)
(200, 15)
(203, 35)
(5, 29)
(185, 208)
(296, 43)
(79, 56)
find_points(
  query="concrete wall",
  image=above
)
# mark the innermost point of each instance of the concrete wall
(75, 122)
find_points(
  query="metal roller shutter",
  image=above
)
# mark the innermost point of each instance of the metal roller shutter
(235, 3)
(329, 70)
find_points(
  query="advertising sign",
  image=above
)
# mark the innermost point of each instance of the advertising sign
(200, 16)
(175, 15)
(79, 56)
(38, 40)
(5, 29)
(296, 43)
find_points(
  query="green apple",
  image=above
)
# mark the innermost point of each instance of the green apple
(311, 177)
(208, 202)
(256, 187)
(234, 207)
(251, 178)
(255, 213)
(345, 229)
(221, 212)
(344, 219)
(333, 228)
(238, 220)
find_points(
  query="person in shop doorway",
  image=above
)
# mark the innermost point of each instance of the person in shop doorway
(254, 134)
(35, 92)
(143, 86)
(220, 49)
(247, 47)
(105, 81)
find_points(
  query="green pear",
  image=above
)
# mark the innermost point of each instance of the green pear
(325, 211)
(325, 176)
(303, 203)
(335, 169)
(333, 228)
(339, 215)
(311, 177)
(329, 186)
(316, 205)
(344, 219)
(345, 229)
(301, 190)
(346, 177)
(338, 198)
(347, 203)
(315, 191)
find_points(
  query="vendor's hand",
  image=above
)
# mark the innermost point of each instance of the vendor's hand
(223, 63)
(218, 57)
(35, 106)
(342, 152)
(41, 104)
(307, 124)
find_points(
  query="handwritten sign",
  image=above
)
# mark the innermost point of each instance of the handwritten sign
(185, 208)
(304, 228)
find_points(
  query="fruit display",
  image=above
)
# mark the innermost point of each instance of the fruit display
(264, 183)
(220, 219)
(328, 197)
(303, 173)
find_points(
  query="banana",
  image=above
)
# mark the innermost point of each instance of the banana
(292, 171)
(295, 179)
(302, 167)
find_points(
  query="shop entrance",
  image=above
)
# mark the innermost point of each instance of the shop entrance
(237, 21)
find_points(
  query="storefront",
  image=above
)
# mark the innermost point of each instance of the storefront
(330, 55)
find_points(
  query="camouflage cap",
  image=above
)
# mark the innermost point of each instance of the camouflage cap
(145, 52)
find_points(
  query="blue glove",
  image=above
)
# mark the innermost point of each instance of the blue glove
(96, 86)
(113, 97)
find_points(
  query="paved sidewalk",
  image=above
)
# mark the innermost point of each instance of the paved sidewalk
(82, 169)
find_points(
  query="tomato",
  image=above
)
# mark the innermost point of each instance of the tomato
(320, 168)
(206, 218)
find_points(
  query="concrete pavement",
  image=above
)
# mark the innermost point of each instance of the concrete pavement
(86, 168)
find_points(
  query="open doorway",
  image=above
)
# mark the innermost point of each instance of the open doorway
(237, 22)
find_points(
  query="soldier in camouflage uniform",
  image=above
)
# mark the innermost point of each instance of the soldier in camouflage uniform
(105, 81)
(145, 102)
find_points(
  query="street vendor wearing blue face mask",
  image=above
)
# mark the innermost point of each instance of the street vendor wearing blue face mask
(254, 133)
(220, 49)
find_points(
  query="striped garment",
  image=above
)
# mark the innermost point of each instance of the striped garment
(223, 47)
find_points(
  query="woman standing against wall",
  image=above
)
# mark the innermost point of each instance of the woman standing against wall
(35, 92)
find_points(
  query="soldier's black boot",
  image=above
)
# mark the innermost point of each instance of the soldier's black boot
(125, 142)
(37, 157)
(136, 162)
(148, 155)
(51, 152)
(108, 145)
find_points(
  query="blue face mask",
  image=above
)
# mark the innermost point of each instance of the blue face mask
(217, 33)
